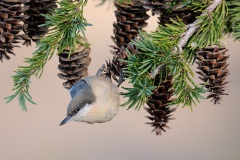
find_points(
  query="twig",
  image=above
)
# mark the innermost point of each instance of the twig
(156, 71)
(193, 26)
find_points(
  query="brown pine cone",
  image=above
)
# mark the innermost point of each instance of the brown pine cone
(11, 16)
(158, 103)
(212, 62)
(36, 8)
(75, 67)
(131, 17)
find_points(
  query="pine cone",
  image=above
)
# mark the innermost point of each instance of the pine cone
(156, 6)
(75, 67)
(212, 62)
(158, 105)
(130, 18)
(11, 16)
(162, 8)
(114, 68)
(185, 14)
(36, 8)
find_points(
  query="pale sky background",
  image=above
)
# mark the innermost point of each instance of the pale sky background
(208, 133)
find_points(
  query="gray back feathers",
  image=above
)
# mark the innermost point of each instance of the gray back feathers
(78, 86)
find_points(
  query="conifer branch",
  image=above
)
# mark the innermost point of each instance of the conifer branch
(156, 54)
(195, 25)
(65, 24)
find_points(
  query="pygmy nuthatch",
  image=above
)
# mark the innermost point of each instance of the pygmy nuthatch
(95, 99)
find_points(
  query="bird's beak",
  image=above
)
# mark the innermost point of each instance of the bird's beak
(67, 119)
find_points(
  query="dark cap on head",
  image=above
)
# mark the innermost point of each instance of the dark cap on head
(83, 95)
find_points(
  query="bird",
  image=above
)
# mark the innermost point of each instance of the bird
(95, 99)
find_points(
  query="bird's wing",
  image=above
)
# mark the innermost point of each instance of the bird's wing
(78, 86)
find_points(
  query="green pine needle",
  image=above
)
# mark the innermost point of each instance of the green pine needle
(139, 94)
(232, 21)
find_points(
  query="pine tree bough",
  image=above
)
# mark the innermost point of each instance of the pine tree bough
(156, 92)
(194, 26)
(57, 39)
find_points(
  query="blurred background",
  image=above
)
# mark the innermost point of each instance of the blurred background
(210, 132)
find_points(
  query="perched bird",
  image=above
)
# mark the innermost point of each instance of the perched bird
(95, 99)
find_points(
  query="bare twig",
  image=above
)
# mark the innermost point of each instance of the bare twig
(156, 71)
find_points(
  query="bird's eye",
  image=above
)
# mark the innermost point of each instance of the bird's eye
(77, 109)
